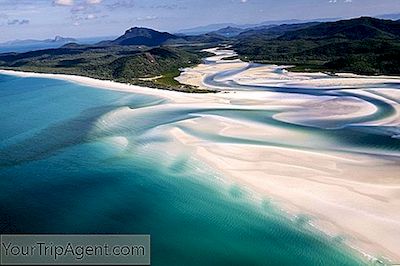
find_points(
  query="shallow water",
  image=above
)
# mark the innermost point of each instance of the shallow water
(75, 159)
(355, 134)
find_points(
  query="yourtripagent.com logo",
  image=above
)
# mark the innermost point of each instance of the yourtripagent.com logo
(75, 249)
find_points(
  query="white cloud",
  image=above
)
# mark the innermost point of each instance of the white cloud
(93, 2)
(63, 2)
(121, 4)
(146, 18)
(91, 16)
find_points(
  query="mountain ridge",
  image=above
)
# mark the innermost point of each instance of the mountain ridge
(275, 30)
(357, 29)
(215, 27)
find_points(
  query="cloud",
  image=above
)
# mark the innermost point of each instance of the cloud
(18, 22)
(63, 2)
(80, 17)
(78, 8)
(94, 2)
(91, 16)
(120, 4)
(76, 3)
(82, 10)
(146, 18)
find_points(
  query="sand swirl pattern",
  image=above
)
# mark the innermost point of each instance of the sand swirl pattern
(323, 148)
(315, 142)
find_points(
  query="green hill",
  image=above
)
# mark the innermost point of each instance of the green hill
(128, 64)
(355, 29)
(364, 45)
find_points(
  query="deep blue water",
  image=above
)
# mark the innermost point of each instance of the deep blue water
(62, 170)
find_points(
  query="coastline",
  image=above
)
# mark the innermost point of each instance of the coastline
(295, 195)
(340, 190)
(102, 84)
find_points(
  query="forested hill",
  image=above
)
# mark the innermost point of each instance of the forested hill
(355, 29)
(143, 36)
(128, 64)
(363, 45)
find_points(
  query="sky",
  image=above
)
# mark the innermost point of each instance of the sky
(41, 19)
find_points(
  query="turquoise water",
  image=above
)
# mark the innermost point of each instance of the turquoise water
(64, 170)
(352, 133)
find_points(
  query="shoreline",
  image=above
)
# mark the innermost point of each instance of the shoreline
(92, 82)
(239, 165)
(324, 183)
(223, 156)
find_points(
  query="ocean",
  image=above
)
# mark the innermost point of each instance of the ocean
(68, 165)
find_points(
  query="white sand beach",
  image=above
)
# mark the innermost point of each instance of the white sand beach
(355, 194)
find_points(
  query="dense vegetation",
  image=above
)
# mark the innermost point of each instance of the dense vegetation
(364, 46)
(128, 64)
(143, 36)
